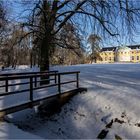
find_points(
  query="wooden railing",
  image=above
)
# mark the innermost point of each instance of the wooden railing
(68, 73)
(27, 73)
(13, 76)
(33, 79)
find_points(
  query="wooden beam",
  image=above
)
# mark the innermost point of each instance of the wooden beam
(23, 106)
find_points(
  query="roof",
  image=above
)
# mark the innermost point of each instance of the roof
(109, 49)
(122, 48)
(134, 46)
(114, 48)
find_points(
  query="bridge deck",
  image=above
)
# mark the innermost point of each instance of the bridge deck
(29, 104)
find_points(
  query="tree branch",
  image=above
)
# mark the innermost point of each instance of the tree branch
(100, 21)
(63, 4)
(70, 15)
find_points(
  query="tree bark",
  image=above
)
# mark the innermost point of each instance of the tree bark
(44, 61)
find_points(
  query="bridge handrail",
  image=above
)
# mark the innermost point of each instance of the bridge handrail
(31, 76)
(27, 73)
(36, 101)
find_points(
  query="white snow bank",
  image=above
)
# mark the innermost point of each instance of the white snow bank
(9, 131)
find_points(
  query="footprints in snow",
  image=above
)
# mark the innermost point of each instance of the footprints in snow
(108, 126)
(124, 119)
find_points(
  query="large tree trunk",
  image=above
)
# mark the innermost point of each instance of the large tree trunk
(44, 61)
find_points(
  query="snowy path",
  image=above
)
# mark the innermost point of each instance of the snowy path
(111, 104)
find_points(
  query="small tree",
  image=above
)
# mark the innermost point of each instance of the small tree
(94, 41)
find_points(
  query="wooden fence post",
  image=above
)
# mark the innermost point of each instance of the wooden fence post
(55, 78)
(31, 88)
(35, 81)
(6, 85)
(77, 80)
(59, 84)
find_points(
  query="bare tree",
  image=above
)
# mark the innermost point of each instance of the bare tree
(3, 21)
(15, 48)
(2, 15)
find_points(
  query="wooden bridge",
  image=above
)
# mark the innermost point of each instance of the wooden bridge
(32, 81)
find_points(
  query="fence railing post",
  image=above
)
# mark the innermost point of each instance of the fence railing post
(35, 81)
(77, 80)
(6, 84)
(31, 88)
(59, 84)
(55, 78)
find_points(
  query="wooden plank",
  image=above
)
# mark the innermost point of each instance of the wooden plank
(71, 72)
(27, 73)
(14, 77)
(72, 81)
(35, 82)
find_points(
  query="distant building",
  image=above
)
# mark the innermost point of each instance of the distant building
(123, 54)
(107, 55)
(120, 54)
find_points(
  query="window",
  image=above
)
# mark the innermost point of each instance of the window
(137, 57)
(132, 57)
(110, 58)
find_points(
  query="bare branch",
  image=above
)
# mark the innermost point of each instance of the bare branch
(78, 6)
(63, 4)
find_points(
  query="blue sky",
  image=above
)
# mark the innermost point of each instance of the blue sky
(16, 9)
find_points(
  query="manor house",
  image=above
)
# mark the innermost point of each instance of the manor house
(119, 54)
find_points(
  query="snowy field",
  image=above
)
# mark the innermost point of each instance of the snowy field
(110, 109)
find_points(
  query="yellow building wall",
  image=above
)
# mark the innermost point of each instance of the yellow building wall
(110, 56)
(135, 56)
(107, 56)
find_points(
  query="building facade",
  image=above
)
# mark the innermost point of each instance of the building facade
(120, 54)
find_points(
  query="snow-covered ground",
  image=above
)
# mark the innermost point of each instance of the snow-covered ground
(9, 131)
(110, 109)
